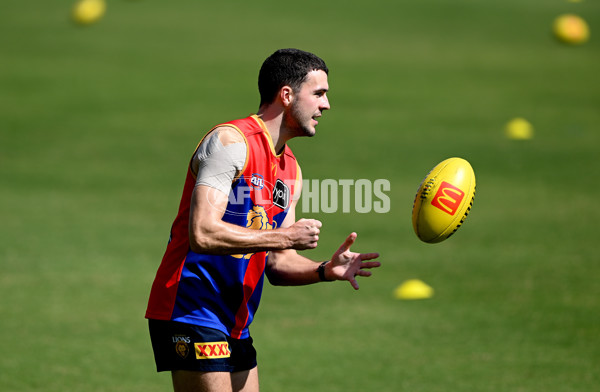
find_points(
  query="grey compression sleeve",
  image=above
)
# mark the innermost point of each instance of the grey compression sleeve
(218, 164)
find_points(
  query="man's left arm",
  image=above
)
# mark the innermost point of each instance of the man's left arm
(288, 268)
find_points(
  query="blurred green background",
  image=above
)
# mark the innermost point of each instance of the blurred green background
(97, 124)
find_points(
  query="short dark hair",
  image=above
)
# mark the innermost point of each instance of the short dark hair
(286, 67)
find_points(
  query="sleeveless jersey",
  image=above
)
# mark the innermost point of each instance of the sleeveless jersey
(223, 291)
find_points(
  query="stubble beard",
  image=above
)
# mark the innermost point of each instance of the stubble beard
(299, 122)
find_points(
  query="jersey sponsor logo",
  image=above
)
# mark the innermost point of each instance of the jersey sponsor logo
(448, 198)
(212, 350)
(257, 181)
(281, 195)
(259, 191)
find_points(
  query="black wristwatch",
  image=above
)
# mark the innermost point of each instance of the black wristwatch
(321, 271)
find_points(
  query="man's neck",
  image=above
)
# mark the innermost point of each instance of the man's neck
(273, 119)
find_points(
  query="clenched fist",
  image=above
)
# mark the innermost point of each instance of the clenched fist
(304, 234)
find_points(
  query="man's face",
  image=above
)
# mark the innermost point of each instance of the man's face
(308, 104)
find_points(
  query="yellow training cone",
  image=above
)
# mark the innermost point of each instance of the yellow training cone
(571, 29)
(86, 12)
(519, 129)
(413, 289)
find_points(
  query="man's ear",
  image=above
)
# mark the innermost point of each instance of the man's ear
(287, 95)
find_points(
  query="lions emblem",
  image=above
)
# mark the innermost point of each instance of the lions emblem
(182, 349)
(256, 219)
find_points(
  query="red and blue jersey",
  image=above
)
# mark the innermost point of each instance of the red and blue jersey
(223, 291)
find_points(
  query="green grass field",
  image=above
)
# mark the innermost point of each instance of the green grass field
(97, 124)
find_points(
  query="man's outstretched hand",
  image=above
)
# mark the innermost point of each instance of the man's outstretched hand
(347, 265)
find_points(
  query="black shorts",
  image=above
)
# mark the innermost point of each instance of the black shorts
(179, 346)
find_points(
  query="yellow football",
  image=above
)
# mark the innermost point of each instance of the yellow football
(443, 200)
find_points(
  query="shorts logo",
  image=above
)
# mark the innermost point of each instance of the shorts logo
(257, 181)
(281, 195)
(181, 345)
(448, 198)
(182, 349)
(212, 350)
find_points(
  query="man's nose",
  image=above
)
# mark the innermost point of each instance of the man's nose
(325, 103)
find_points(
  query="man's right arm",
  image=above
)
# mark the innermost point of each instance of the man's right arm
(211, 235)
(218, 160)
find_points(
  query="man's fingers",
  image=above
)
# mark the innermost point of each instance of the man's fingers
(306, 233)
(369, 256)
(347, 243)
(311, 223)
(370, 264)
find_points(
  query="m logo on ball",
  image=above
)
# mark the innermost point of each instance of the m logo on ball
(443, 200)
(448, 198)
